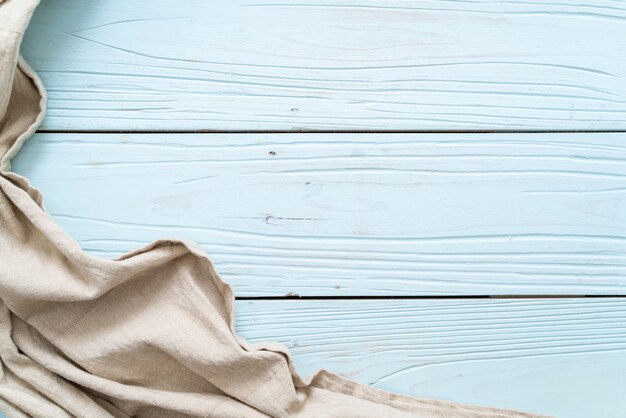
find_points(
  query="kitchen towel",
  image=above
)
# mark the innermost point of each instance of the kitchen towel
(149, 334)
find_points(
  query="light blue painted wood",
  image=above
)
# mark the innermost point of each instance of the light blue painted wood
(353, 214)
(564, 358)
(355, 65)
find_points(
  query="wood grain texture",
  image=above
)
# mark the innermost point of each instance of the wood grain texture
(353, 214)
(564, 358)
(349, 65)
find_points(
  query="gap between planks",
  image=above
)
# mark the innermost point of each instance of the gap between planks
(432, 297)
(302, 131)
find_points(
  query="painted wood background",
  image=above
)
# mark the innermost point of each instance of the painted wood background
(336, 65)
(559, 357)
(353, 214)
(356, 219)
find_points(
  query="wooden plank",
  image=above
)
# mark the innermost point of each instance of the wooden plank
(563, 358)
(353, 214)
(349, 65)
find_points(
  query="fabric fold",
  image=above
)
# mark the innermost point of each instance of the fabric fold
(150, 334)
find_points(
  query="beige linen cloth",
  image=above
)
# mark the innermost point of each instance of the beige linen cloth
(150, 334)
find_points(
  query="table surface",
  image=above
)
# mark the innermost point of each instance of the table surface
(424, 196)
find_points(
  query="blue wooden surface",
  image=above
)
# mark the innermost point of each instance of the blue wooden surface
(353, 214)
(334, 65)
(559, 357)
(362, 214)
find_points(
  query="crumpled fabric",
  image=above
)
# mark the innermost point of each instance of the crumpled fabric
(149, 334)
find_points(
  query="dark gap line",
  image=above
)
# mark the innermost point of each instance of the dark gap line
(415, 297)
(372, 132)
